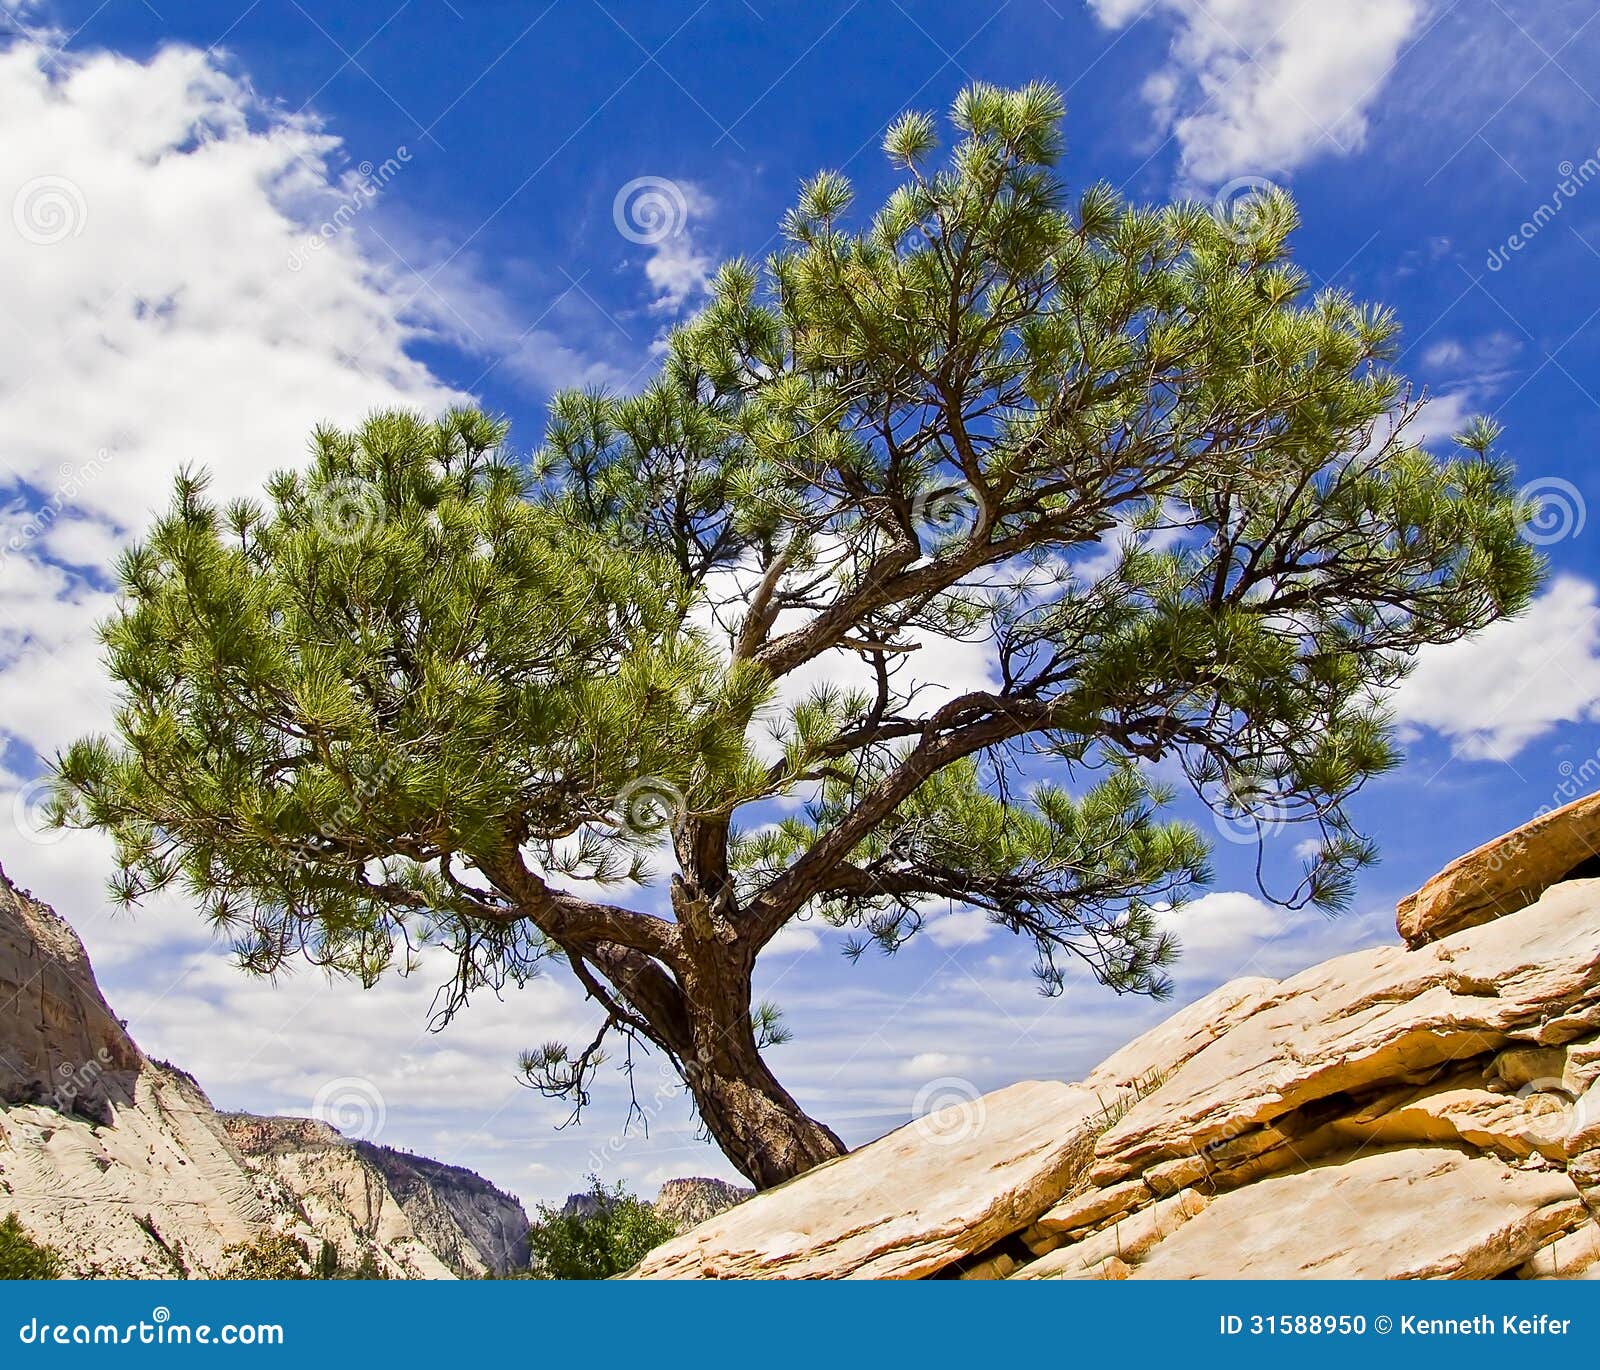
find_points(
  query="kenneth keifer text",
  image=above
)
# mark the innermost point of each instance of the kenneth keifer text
(1485, 1324)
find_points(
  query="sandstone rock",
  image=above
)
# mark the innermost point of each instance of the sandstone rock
(690, 1201)
(1519, 1066)
(1582, 1145)
(1509, 1125)
(1504, 875)
(1091, 1207)
(62, 1044)
(995, 1268)
(472, 1226)
(156, 1194)
(1583, 1065)
(1413, 1213)
(1375, 1018)
(1393, 1112)
(343, 1199)
(122, 1165)
(1573, 1255)
(1126, 1241)
(907, 1205)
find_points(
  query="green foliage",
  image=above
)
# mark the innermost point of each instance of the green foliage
(326, 1265)
(612, 1232)
(279, 1256)
(404, 666)
(1122, 451)
(271, 1256)
(23, 1258)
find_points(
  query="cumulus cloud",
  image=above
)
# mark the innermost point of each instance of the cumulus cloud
(1492, 694)
(794, 939)
(174, 295)
(1256, 87)
(959, 928)
(1220, 932)
(931, 1065)
(152, 321)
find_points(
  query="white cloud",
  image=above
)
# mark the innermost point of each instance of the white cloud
(1257, 87)
(961, 928)
(1495, 692)
(1442, 417)
(793, 939)
(1484, 362)
(678, 270)
(153, 209)
(1220, 931)
(930, 1065)
(658, 213)
(149, 216)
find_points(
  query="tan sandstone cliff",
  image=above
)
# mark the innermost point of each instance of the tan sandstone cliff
(1419, 1111)
(122, 1165)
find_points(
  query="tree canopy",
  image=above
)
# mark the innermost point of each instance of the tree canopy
(429, 692)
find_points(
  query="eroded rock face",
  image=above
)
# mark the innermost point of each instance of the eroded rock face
(1404, 1214)
(475, 1228)
(1393, 1113)
(60, 1044)
(1505, 874)
(908, 1205)
(123, 1166)
(688, 1202)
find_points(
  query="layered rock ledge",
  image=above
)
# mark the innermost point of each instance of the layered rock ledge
(1407, 1112)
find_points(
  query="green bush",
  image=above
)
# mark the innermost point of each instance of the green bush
(21, 1257)
(278, 1256)
(271, 1256)
(611, 1232)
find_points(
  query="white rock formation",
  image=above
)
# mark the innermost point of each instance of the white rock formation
(122, 1165)
(1429, 1111)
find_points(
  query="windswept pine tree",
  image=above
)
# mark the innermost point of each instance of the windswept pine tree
(428, 693)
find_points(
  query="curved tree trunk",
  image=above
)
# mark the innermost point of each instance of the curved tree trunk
(753, 1118)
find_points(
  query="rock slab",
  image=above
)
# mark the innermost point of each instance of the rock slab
(122, 1164)
(1505, 874)
(921, 1199)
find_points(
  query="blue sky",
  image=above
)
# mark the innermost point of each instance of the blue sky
(227, 222)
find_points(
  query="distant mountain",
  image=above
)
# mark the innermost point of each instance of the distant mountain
(121, 1163)
(690, 1202)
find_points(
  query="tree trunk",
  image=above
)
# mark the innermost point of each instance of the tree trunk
(753, 1118)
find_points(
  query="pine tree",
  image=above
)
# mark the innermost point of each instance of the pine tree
(426, 692)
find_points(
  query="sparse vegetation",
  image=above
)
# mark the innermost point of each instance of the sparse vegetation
(23, 1258)
(279, 1256)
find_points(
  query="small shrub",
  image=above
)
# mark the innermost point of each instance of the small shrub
(608, 1232)
(23, 1258)
(271, 1256)
(277, 1256)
